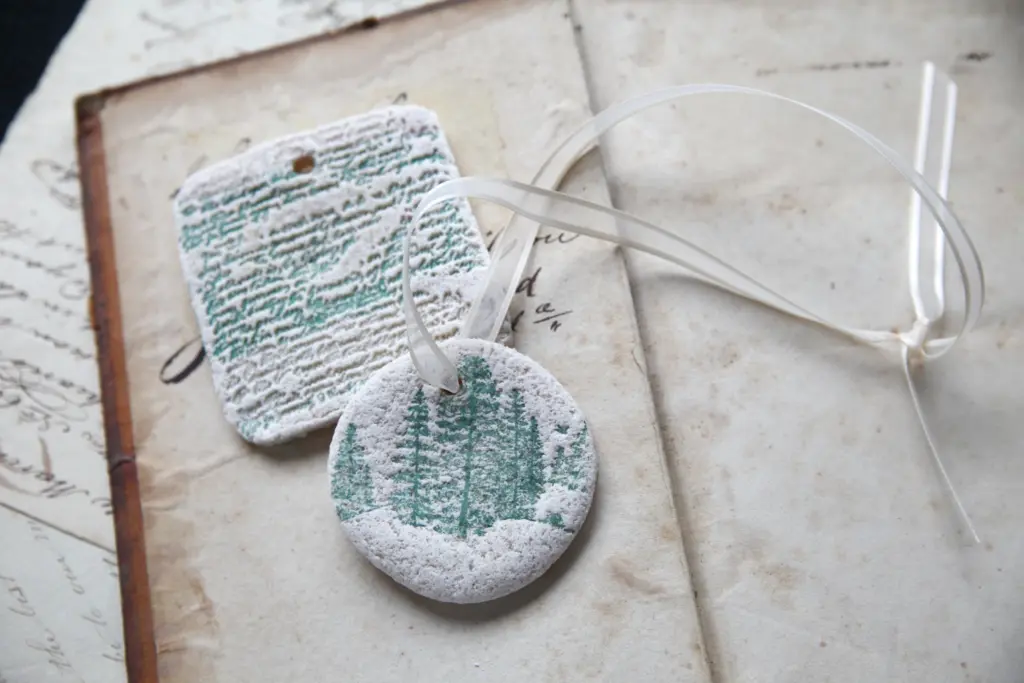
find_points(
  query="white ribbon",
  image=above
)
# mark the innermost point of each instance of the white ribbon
(534, 205)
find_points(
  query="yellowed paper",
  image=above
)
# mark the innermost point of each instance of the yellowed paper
(251, 575)
(53, 476)
(45, 573)
(824, 546)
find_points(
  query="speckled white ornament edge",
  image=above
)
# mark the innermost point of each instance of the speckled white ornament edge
(503, 570)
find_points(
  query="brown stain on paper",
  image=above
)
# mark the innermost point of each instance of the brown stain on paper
(749, 559)
(781, 580)
(612, 612)
(625, 573)
(184, 616)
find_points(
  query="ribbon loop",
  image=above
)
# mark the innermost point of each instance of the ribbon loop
(536, 204)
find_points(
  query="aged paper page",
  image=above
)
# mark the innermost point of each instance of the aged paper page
(51, 452)
(251, 576)
(57, 619)
(823, 545)
(53, 476)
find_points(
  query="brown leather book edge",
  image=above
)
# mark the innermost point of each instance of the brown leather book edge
(105, 311)
(140, 649)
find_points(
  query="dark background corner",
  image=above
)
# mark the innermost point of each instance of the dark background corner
(30, 31)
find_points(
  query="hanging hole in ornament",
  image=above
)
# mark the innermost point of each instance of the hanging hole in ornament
(445, 392)
(304, 164)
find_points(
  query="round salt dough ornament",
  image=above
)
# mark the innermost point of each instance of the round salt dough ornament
(463, 497)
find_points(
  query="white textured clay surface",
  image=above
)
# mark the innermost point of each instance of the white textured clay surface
(292, 253)
(467, 497)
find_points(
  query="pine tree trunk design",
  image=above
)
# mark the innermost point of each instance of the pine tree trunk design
(568, 466)
(522, 465)
(532, 459)
(558, 466)
(514, 506)
(352, 487)
(447, 489)
(578, 450)
(482, 477)
(410, 499)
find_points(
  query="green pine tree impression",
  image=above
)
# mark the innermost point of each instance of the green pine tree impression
(579, 450)
(531, 481)
(411, 499)
(514, 502)
(447, 489)
(558, 467)
(351, 488)
(568, 466)
(479, 459)
(482, 445)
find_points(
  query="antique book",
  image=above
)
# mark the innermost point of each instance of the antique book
(766, 505)
(233, 563)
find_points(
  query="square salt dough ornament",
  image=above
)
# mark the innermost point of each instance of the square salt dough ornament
(293, 256)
